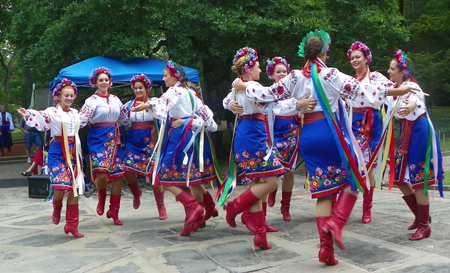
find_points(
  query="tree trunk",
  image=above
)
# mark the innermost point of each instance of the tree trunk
(400, 7)
(7, 77)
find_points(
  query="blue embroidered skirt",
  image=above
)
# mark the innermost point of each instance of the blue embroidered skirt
(358, 132)
(210, 170)
(410, 167)
(106, 155)
(138, 150)
(250, 147)
(57, 167)
(286, 141)
(172, 172)
(327, 175)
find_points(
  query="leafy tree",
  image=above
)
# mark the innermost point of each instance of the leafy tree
(429, 24)
(203, 34)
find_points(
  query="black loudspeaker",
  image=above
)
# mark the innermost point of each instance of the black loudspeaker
(38, 186)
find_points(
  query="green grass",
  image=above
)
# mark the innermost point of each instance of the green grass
(17, 134)
(446, 180)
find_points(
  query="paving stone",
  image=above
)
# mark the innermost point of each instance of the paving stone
(128, 268)
(42, 240)
(190, 261)
(30, 242)
(426, 267)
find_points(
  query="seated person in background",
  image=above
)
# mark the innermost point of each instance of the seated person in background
(38, 164)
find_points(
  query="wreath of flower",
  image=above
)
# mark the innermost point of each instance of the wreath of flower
(362, 47)
(64, 83)
(96, 72)
(141, 78)
(246, 51)
(176, 71)
(400, 58)
(322, 34)
(274, 62)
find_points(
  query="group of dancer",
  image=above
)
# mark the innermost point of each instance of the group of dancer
(342, 140)
(182, 172)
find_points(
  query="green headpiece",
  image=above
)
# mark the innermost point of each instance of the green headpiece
(322, 34)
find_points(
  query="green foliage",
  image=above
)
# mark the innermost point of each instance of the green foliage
(430, 26)
(205, 34)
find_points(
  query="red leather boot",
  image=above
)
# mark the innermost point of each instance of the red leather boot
(137, 193)
(194, 213)
(423, 229)
(326, 252)
(159, 197)
(210, 206)
(114, 207)
(271, 198)
(411, 201)
(2, 151)
(285, 205)
(57, 207)
(367, 206)
(269, 228)
(259, 223)
(72, 219)
(238, 205)
(246, 219)
(101, 201)
(339, 216)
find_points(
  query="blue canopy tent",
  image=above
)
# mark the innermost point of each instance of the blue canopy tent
(122, 71)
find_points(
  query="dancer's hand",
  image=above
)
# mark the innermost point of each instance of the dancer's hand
(236, 108)
(177, 123)
(240, 85)
(306, 103)
(406, 110)
(141, 106)
(23, 112)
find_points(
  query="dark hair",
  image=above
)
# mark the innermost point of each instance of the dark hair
(313, 47)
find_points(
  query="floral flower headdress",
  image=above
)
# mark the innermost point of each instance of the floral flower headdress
(64, 83)
(400, 58)
(96, 72)
(274, 62)
(141, 78)
(322, 34)
(246, 51)
(176, 71)
(361, 47)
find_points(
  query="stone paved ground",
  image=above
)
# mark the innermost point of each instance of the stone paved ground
(30, 242)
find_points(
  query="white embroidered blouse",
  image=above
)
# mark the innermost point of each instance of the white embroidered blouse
(335, 85)
(99, 109)
(178, 103)
(50, 119)
(253, 100)
(131, 117)
(374, 78)
(418, 98)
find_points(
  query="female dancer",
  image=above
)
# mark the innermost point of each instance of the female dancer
(251, 149)
(327, 166)
(176, 167)
(366, 124)
(140, 143)
(102, 111)
(64, 163)
(286, 136)
(418, 152)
